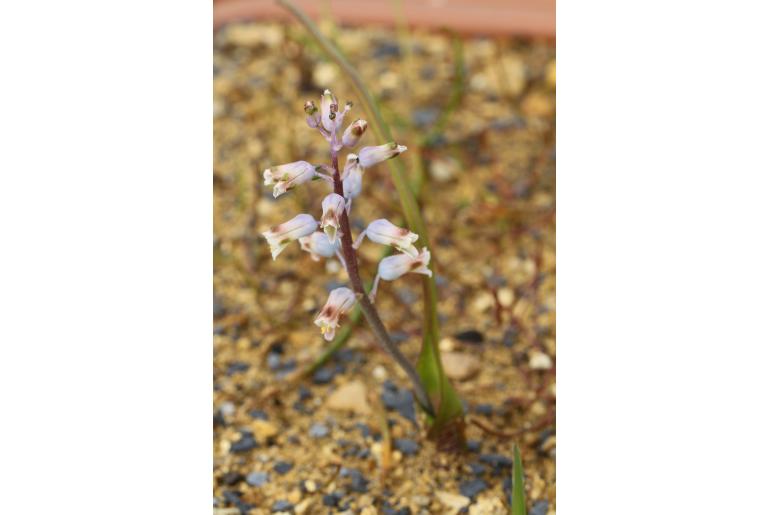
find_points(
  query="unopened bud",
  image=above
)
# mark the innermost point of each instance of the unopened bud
(353, 133)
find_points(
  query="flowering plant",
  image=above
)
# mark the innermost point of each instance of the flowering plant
(331, 236)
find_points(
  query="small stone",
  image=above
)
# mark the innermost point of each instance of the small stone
(474, 445)
(380, 373)
(237, 367)
(421, 500)
(540, 361)
(263, 429)
(470, 336)
(400, 400)
(444, 170)
(318, 430)
(302, 507)
(258, 414)
(452, 501)
(446, 345)
(227, 409)
(498, 461)
(257, 478)
(350, 397)
(231, 478)
(245, 444)
(539, 507)
(332, 499)
(282, 505)
(324, 375)
(487, 505)
(459, 365)
(310, 486)
(473, 487)
(477, 468)
(505, 297)
(282, 467)
(406, 446)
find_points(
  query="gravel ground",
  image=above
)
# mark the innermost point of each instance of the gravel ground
(348, 438)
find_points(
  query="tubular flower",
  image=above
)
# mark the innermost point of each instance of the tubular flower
(370, 156)
(280, 236)
(332, 205)
(286, 177)
(383, 232)
(352, 177)
(353, 133)
(341, 300)
(317, 244)
(393, 267)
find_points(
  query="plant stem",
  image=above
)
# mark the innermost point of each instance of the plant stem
(367, 308)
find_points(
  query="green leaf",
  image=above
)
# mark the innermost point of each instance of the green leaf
(518, 501)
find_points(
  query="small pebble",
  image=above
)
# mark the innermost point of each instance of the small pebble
(257, 478)
(231, 478)
(453, 501)
(258, 414)
(282, 505)
(245, 444)
(406, 446)
(318, 430)
(540, 361)
(474, 445)
(282, 467)
(539, 507)
(473, 487)
(324, 375)
(496, 460)
(470, 336)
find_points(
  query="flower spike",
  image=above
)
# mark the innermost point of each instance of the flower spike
(332, 205)
(280, 236)
(340, 302)
(370, 156)
(384, 232)
(288, 176)
(393, 267)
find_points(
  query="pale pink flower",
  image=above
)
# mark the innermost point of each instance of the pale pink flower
(393, 267)
(280, 236)
(353, 133)
(331, 116)
(313, 118)
(288, 176)
(352, 177)
(317, 244)
(384, 232)
(340, 302)
(370, 156)
(332, 205)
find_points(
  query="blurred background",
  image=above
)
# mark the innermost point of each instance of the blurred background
(469, 87)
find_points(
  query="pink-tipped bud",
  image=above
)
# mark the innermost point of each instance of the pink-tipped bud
(370, 156)
(353, 133)
(384, 232)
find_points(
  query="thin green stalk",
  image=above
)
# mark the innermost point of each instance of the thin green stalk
(443, 396)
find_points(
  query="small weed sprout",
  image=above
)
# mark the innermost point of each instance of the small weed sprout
(334, 239)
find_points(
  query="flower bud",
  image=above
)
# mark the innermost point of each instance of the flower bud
(383, 232)
(286, 177)
(332, 205)
(370, 156)
(353, 133)
(280, 236)
(329, 107)
(352, 177)
(310, 108)
(317, 244)
(393, 267)
(340, 302)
